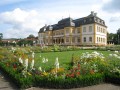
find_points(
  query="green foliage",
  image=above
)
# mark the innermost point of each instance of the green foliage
(112, 78)
(1, 36)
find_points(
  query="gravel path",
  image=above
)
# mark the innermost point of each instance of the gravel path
(5, 84)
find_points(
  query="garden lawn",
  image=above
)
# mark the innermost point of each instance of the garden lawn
(63, 57)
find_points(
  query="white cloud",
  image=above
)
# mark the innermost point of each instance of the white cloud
(25, 22)
(106, 1)
(22, 22)
(5, 2)
(114, 19)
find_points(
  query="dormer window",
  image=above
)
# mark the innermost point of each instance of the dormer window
(98, 20)
(95, 19)
(102, 22)
(90, 19)
(50, 27)
(84, 21)
(44, 29)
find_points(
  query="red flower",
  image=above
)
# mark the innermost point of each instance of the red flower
(78, 73)
(78, 65)
(14, 66)
(72, 75)
(92, 72)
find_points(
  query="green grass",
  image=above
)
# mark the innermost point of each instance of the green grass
(63, 57)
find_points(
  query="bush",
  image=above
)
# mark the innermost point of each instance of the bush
(59, 82)
(112, 78)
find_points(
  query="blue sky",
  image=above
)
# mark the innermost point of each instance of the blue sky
(19, 18)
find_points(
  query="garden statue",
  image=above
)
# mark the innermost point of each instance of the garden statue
(57, 64)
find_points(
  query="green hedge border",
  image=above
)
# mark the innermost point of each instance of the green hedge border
(46, 82)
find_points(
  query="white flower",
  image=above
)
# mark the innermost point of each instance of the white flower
(116, 51)
(115, 55)
(57, 63)
(33, 54)
(46, 59)
(110, 55)
(40, 69)
(85, 63)
(43, 60)
(40, 55)
(118, 57)
(32, 64)
(20, 60)
(26, 63)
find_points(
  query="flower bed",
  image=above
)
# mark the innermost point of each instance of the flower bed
(51, 82)
(84, 70)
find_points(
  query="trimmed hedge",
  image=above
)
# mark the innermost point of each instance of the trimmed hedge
(59, 82)
(112, 78)
(50, 82)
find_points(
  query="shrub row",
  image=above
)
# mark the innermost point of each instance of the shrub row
(50, 82)
(112, 78)
(16, 78)
(59, 82)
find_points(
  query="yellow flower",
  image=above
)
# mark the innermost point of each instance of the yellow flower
(29, 73)
(58, 70)
(45, 73)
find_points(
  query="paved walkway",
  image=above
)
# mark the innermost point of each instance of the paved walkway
(5, 84)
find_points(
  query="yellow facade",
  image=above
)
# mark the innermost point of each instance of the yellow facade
(81, 31)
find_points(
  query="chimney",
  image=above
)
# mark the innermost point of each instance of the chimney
(95, 14)
(92, 13)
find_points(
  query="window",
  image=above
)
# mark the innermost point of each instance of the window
(90, 19)
(101, 30)
(90, 28)
(73, 39)
(90, 39)
(67, 39)
(67, 31)
(73, 31)
(84, 29)
(84, 21)
(78, 30)
(101, 39)
(97, 29)
(95, 19)
(98, 20)
(97, 39)
(104, 30)
(84, 39)
(78, 39)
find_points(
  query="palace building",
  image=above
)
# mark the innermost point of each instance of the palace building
(89, 30)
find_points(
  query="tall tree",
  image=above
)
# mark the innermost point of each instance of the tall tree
(1, 36)
(31, 36)
(118, 36)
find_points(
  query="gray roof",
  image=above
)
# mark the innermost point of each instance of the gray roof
(67, 22)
